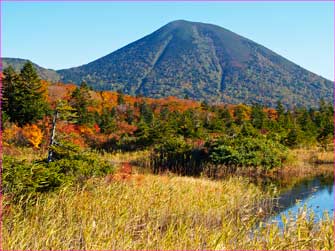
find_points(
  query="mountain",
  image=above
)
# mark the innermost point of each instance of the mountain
(200, 61)
(17, 64)
(204, 62)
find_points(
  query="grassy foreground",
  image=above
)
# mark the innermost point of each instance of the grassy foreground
(156, 212)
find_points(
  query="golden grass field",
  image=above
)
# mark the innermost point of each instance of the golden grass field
(134, 211)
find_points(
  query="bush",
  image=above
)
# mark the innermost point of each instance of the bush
(177, 156)
(224, 154)
(65, 150)
(81, 167)
(21, 178)
(218, 157)
(247, 152)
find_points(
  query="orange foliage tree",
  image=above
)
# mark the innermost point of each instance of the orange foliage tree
(33, 135)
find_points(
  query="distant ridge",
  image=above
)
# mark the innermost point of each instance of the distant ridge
(17, 64)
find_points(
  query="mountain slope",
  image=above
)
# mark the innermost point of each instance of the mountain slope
(18, 63)
(204, 62)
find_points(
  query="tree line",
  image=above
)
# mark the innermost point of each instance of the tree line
(132, 123)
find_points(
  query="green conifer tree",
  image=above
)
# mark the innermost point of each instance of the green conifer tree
(24, 98)
(257, 116)
(9, 83)
(80, 99)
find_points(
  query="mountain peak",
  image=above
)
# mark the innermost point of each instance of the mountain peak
(185, 24)
(179, 22)
(178, 26)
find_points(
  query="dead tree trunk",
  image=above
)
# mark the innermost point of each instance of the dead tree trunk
(52, 137)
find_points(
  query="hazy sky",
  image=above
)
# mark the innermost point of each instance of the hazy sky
(65, 34)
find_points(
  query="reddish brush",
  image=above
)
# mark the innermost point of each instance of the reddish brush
(124, 174)
(126, 168)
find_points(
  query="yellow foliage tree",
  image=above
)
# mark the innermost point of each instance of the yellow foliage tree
(33, 134)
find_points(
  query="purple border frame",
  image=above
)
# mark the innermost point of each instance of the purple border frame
(246, 1)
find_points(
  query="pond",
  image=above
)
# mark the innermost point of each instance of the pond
(315, 193)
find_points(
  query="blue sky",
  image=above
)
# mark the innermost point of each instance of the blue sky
(59, 35)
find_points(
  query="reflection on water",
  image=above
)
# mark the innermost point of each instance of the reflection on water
(316, 193)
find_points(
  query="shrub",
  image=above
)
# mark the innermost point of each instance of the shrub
(177, 156)
(22, 178)
(247, 152)
(70, 166)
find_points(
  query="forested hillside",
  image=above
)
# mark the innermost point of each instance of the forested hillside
(203, 62)
(18, 63)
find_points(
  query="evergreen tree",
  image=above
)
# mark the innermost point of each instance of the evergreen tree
(280, 109)
(164, 114)
(80, 99)
(324, 120)
(142, 132)
(24, 97)
(306, 124)
(226, 117)
(292, 138)
(281, 117)
(248, 130)
(120, 97)
(130, 116)
(146, 113)
(107, 121)
(187, 125)
(9, 84)
(257, 116)
(287, 121)
(239, 116)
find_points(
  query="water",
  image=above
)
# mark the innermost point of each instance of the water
(316, 194)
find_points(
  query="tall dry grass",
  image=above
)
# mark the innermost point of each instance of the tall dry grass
(304, 162)
(303, 156)
(155, 212)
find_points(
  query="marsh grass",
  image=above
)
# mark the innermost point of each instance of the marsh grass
(155, 212)
(316, 155)
(129, 210)
(299, 232)
(303, 163)
(143, 212)
(323, 157)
